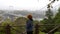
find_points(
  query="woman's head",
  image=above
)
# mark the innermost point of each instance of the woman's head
(29, 16)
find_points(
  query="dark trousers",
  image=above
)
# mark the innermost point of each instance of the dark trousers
(29, 32)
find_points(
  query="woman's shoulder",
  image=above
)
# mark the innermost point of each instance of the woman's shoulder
(29, 21)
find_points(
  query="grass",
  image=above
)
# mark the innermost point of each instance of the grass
(45, 33)
(57, 32)
(41, 32)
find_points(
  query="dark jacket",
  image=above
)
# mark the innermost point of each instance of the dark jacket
(29, 25)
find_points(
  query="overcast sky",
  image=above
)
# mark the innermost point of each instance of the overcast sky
(25, 4)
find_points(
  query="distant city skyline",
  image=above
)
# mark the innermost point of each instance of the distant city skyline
(25, 4)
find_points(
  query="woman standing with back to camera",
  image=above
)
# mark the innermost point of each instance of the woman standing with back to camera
(29, 25)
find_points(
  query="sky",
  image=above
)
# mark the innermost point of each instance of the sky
(25, 4)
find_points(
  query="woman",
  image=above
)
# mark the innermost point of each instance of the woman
(29, 25)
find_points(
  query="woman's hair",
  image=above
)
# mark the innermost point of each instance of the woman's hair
(29, 16)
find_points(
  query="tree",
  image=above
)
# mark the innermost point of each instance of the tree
(51, 20)
(20, 23)
(3, 26)
(48, 20)
(57, 17)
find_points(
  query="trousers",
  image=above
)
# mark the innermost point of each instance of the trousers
(29, 32)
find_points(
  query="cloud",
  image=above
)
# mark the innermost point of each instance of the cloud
(23, 4)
